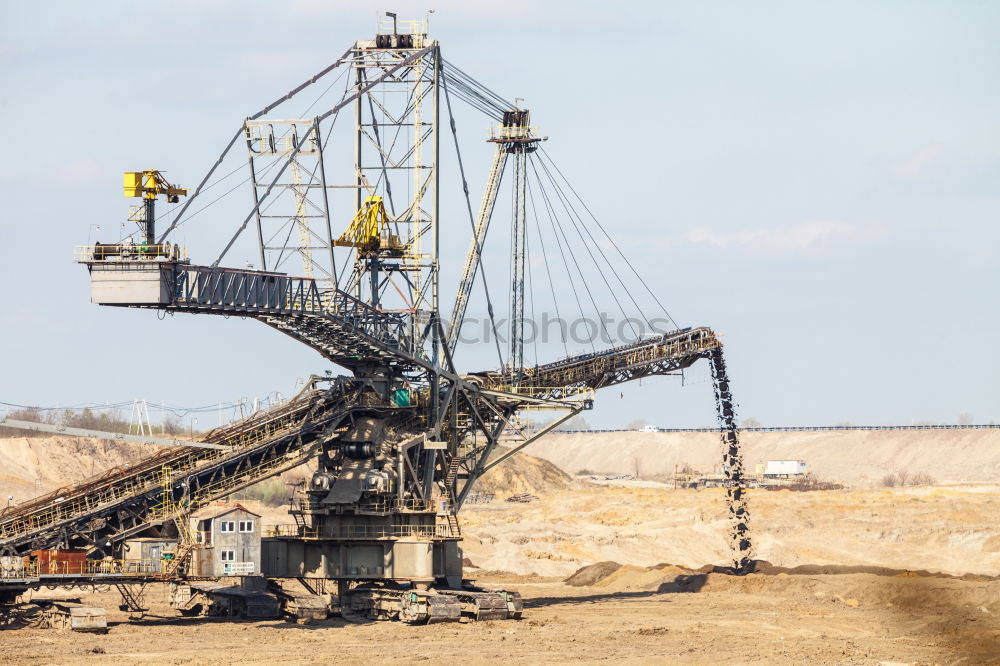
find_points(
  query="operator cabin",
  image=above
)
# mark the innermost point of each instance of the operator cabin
(228, 538)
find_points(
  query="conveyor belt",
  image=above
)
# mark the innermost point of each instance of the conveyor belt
(653, 356)
(127, 500)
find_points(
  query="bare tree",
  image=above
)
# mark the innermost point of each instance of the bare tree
(904, 478)
(172, 425)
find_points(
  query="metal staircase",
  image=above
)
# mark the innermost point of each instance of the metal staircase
(474, 255)
(454, 530)
(334, 323)
(452, 471)
(178, 565)
(133, 599)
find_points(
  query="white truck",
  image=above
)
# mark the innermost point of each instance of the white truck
(785, 468)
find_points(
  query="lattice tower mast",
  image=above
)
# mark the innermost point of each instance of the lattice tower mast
(396, 169)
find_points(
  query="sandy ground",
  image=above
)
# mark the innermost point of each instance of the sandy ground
(940, 529)
(759, 619)
(834, 606)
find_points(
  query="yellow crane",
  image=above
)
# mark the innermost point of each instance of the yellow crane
(365, 230)
(150, 184)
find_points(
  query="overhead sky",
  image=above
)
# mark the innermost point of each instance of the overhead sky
(816, 181)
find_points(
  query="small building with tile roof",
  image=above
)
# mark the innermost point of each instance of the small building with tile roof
(228, 538)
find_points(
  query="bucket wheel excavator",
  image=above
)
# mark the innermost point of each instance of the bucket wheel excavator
(346, 256)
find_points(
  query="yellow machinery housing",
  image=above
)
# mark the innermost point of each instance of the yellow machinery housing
(369, 230)
(149, 184)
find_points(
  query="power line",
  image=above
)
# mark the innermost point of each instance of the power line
(590, 253)
(608, 236)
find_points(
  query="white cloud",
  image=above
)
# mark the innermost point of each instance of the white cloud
(781, 239)
(920, 161)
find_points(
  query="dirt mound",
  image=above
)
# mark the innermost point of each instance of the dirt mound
(851, 586)
(592, 573)
(613, 576)
(523, 474)
(764, 567)
(902, 591)
(658, 578)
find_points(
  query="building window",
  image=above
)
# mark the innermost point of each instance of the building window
(228, 555)
(227, 526)
(246, 526)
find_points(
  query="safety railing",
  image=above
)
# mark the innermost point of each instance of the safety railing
(386, 327)
(32, 569)
(302, 504)
(263, 140)
(260, 292)
(209, 287)
(394, 504)
(388, 26)
(21, 569)
(142, 567)
(362, 531)
(585, 369)
(86, 254)
(501, 134)
(563, 393)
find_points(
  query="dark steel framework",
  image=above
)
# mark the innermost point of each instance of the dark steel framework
(446, 430)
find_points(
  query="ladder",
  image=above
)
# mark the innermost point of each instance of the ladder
(475, 249)
(454, 530)
(452, 472)
(188, 542)
(133, 601)
(449, 483)
(295, 510)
